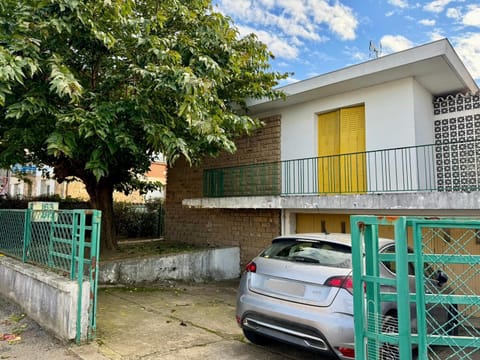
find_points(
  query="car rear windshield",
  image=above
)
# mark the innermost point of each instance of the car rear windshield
(312, 252)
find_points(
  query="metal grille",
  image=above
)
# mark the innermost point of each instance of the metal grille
(12, 223)
(450, 246)
(66, 241)
(439, 317)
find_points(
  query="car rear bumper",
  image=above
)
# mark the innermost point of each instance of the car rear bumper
(283, 331)
(314, 328)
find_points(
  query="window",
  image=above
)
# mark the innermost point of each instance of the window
(313, 252)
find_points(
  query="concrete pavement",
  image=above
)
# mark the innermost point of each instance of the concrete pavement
(21, 338)
(175, 321)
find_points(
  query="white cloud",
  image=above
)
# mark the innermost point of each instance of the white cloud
(359, 56)
(290, 23)
(268, 3)
(355, 54)
(454, 13)
(436, 34)
(427, 22)
(399, 3)
(289, 80)
(278, 46)
(240, 8)
(468, 48)
(394, 43)
(436, 6)
(339, 18)
(472, 17)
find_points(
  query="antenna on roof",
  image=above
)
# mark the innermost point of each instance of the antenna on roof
(375, 51)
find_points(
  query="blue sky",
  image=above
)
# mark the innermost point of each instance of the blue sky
(313, 37)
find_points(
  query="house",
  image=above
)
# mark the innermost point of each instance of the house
(26, 181)
(396, 135)
(156, 173)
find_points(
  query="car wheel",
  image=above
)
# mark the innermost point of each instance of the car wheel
(389, 351)
(255, 338)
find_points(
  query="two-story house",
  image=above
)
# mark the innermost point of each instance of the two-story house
(396, 135)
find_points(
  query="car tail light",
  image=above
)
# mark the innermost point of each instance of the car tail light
(251, 267)
(343, 282)
(347, 352)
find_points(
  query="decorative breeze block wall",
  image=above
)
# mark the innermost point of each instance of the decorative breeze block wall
(457, 142)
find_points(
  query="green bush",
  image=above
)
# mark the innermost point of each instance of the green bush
(131, 220)
(138, 220)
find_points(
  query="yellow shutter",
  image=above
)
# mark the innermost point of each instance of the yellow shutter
(352, 130)
(352, 141)
(341, 132)
(328, 144)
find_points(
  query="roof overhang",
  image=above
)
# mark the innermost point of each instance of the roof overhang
(436, 66)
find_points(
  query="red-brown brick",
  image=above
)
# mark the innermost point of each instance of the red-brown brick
(250, 229)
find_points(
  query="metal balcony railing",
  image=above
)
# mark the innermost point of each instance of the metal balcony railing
(436, 167)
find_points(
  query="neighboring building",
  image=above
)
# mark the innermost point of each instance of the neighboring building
(25, 181)
(397, 135)
(157, 173)
(28, 181)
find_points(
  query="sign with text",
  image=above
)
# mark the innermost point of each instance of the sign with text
(43, 210)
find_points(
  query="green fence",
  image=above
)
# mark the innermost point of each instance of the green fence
(435, 290)
(65, 241)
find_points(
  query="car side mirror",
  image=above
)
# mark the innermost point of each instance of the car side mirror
(441, 278)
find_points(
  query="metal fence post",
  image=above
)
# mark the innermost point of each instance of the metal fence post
(403, 290)
(27, 234)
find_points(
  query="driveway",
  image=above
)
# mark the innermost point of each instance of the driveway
(175, 321)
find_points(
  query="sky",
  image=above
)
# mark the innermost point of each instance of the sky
(313, 37)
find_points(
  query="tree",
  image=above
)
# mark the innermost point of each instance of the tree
(96, 88)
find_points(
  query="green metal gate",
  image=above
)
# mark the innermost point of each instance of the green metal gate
(65, 241)
(436, 288)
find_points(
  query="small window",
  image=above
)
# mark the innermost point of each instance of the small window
(311, 252)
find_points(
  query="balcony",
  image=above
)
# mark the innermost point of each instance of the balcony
(450, 167)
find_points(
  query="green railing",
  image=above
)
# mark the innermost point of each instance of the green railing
(65, 241)
(442, 167)
(248, 180)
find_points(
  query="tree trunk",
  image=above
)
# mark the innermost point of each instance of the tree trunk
(101, 198)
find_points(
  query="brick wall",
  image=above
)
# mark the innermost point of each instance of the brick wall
(250, 229)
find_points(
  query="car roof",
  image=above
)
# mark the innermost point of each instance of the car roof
(338, 238)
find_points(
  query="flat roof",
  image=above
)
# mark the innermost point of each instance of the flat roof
(436, 66)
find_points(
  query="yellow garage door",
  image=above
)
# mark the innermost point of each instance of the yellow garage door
(342, 132)
(332, 223)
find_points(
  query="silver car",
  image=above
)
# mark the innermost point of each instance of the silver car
(300, 291)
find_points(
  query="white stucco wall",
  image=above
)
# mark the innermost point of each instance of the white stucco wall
(397, 114)
(423, 111)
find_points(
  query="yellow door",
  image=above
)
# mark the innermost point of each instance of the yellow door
(342, 132)
(328, 145)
